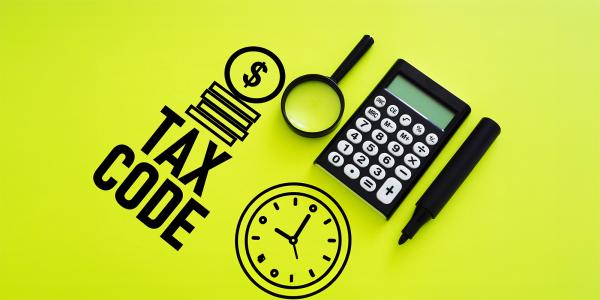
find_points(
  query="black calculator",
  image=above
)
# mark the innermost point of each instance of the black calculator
(392, 138)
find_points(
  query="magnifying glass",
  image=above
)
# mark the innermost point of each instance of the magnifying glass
(313, 104)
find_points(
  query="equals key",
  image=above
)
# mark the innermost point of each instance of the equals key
(368, 184)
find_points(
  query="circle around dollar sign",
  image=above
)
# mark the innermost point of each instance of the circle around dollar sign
(255, 79)
(242, 96)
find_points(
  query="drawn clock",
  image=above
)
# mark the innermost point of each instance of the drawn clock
(293, 240)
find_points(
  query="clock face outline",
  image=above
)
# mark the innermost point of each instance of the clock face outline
(285, 197)
(293, 227)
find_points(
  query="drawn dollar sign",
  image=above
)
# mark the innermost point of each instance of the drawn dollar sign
(254, 80)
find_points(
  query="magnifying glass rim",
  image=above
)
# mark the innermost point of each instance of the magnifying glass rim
(303, 79)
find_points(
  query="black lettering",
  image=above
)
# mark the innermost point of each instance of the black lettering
(202, 172)
(181, 221)
(167, 187)
(171, 118)
(108, 162)
(185, 143)
(130, 180)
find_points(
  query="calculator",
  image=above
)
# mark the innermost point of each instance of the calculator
(391, 139)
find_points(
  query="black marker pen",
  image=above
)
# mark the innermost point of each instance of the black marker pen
(451, 177)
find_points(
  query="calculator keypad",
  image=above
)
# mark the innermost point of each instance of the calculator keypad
(380, 151)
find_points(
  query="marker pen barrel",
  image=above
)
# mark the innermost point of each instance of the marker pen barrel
(452, 176)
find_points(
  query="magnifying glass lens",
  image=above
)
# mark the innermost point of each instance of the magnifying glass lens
(312, 106)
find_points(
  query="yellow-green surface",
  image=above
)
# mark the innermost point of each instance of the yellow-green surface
(79, 77)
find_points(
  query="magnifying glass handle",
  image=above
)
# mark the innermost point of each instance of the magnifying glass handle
(359, 50)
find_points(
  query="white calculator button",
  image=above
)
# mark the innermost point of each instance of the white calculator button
(354, 136)
(363, 125)
(361, 159)
(388, 125)
(335, 159)
(405, 120)
(345, 147)
(402, 172)
(412, 160)
(404, 137)
(395, 148)
(370, 148)
(377, 172)
(386, 160)
(351, 171)
(420, 149)
(368, 184)
(389, 190)
(372, 113)
(431, 139)
(418, 129)
(379, 101)
(392, 110)
(379, 136)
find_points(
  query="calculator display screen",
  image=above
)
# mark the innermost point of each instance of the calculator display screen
(418, 100)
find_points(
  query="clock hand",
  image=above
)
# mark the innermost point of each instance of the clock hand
(283, 234)
(302, 226)
(295, 252)
(290, 239)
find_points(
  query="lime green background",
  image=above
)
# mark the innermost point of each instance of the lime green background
(79, 77)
